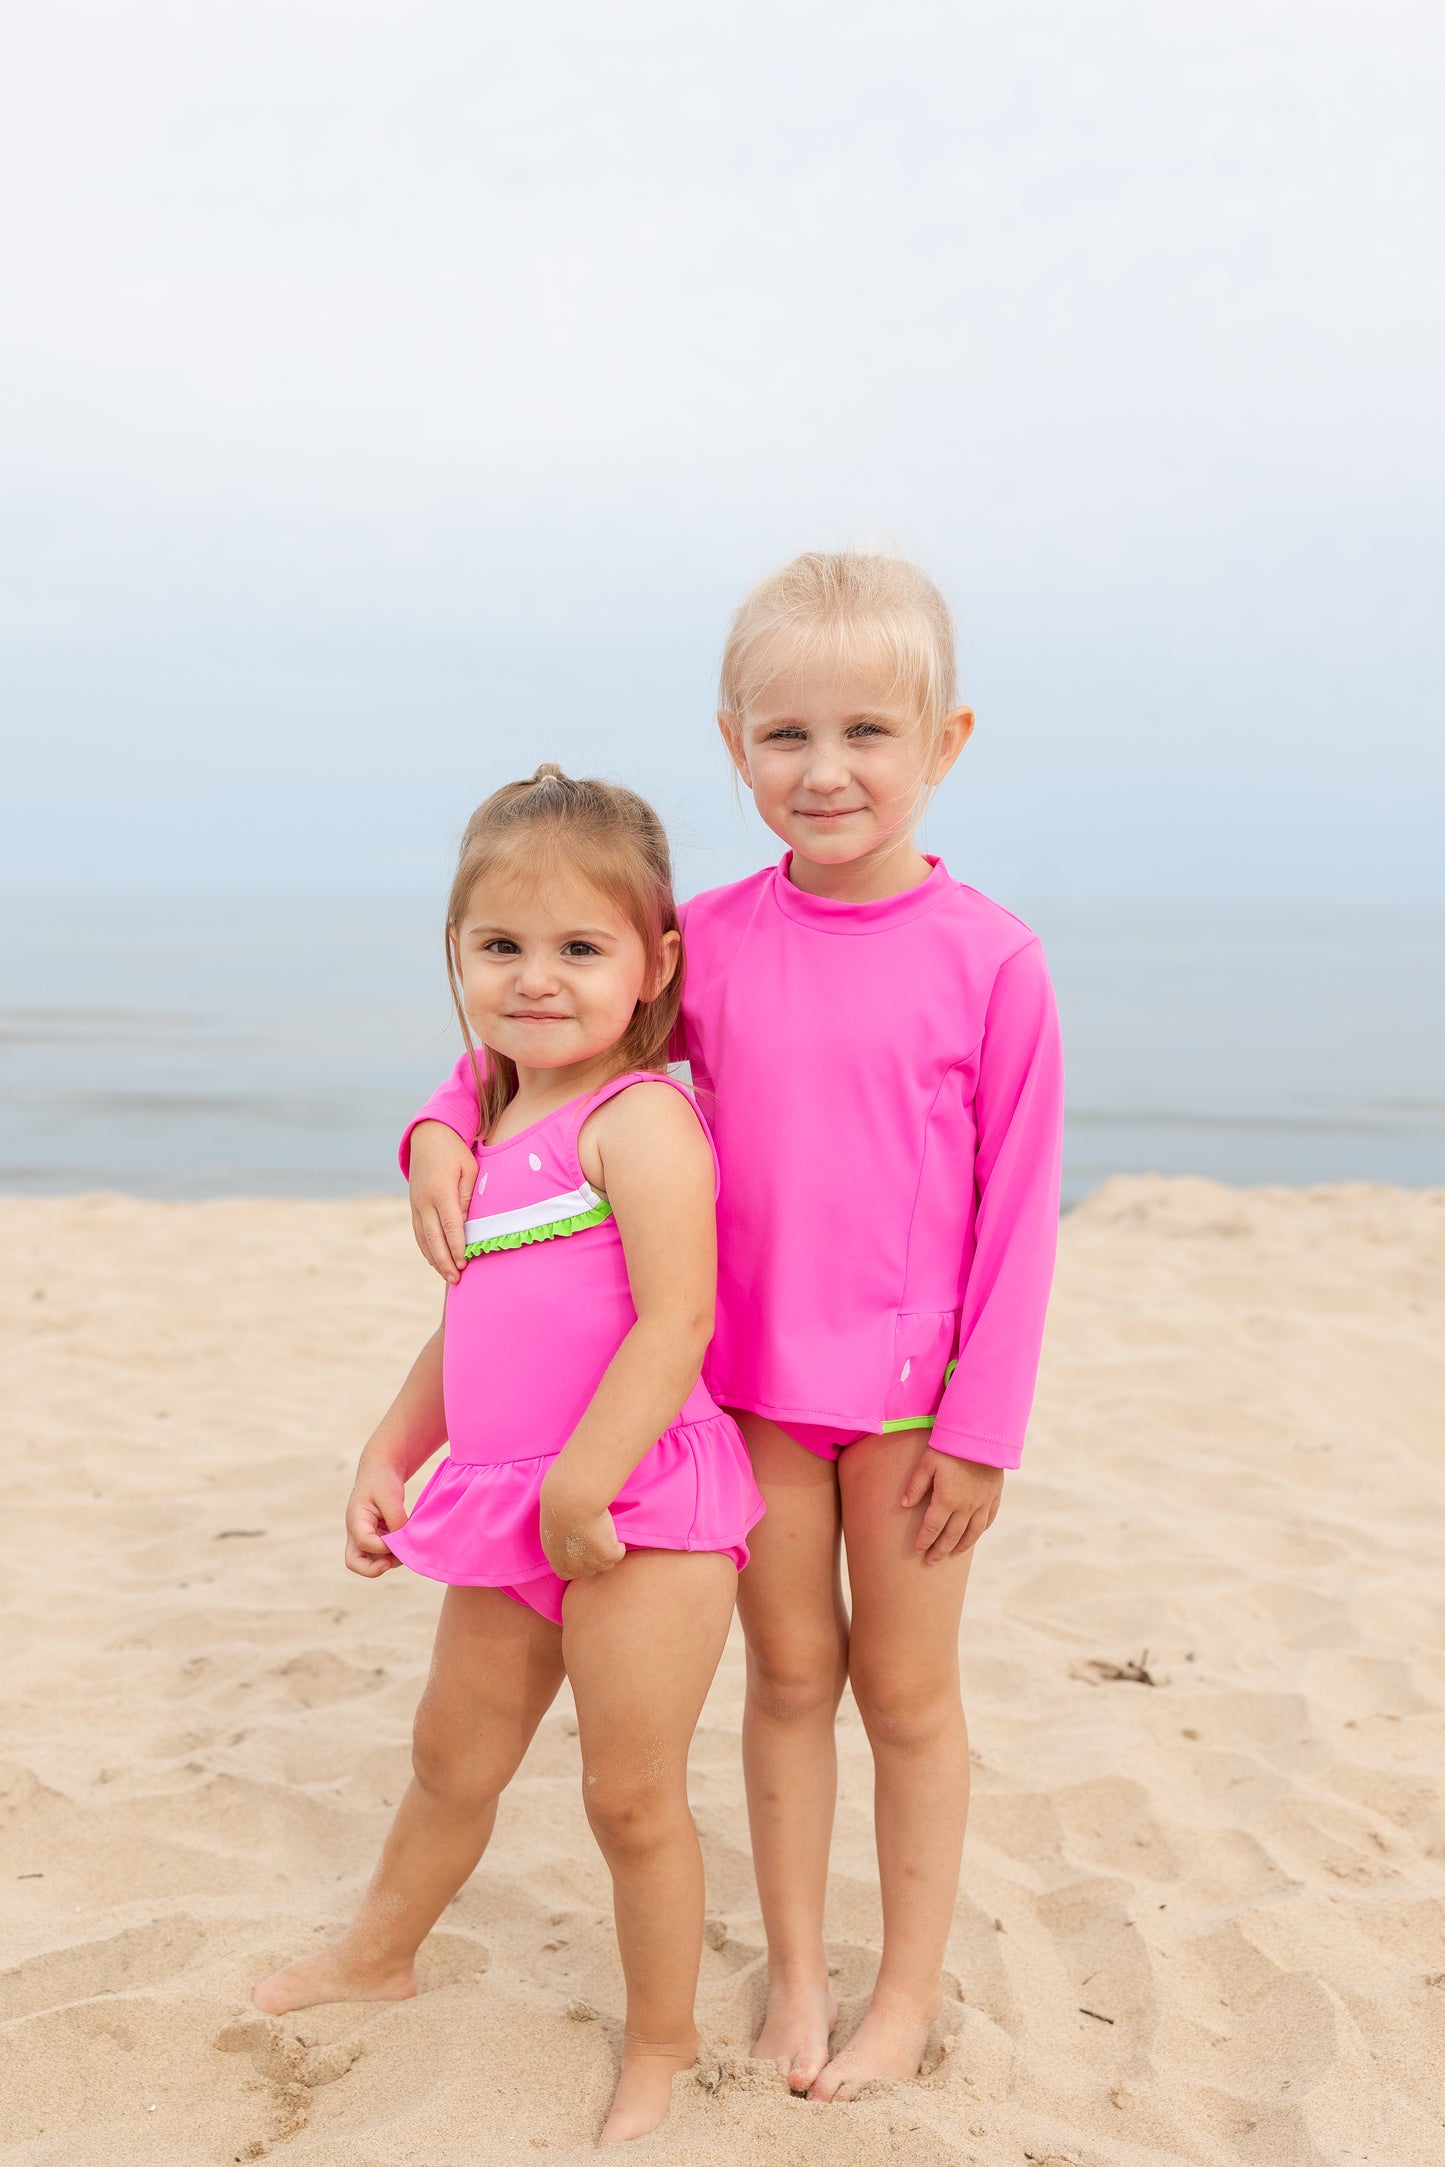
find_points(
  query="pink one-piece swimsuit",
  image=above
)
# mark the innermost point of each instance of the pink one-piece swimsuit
(542, 1306)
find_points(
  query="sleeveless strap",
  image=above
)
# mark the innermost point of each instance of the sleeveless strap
(588, 1106)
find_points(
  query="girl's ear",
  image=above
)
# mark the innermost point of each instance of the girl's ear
(732, 736)
(667, 962)
(955, 734)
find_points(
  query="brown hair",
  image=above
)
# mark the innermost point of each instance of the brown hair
(613, 839)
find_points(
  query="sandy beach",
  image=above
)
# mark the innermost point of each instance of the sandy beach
(1203, 1907)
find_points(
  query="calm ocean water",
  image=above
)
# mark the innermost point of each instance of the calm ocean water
(208, 1046)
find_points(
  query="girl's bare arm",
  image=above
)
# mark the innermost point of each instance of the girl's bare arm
(405, 1438)
(440, 1184)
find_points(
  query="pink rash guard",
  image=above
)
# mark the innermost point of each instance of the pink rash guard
(884, 1084)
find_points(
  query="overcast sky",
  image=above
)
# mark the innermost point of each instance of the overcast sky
(395, 395)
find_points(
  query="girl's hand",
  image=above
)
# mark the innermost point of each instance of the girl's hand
(964, 1504)
(376, 1505)
(578, 1537)
(443, 1176)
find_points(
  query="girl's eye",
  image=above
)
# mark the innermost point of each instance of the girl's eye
(866, 729)
(784, 737)
(580, 948)
(500, 947)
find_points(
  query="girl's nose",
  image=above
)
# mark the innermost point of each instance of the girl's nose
(826, 771)
(535, 978)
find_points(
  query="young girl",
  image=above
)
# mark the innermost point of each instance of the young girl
(592, 1512)
(878, 1050)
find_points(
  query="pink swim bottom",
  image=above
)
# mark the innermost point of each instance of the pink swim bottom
(824, 1439)
(545, 1593)
(544, 1596)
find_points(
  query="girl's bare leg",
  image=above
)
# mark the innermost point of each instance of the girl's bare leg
(642, 1643)
(903, 1667)
(790, 1601)
(495, 1670)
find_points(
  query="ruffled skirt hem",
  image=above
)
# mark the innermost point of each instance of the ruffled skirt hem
(477, 1524)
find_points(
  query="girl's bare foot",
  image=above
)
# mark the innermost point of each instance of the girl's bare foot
(887, 2046)
(801, 2014)
(337, 1974)
(644, 2089)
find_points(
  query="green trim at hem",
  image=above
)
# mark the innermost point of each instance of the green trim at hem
(524, 1236)
(919, 1422)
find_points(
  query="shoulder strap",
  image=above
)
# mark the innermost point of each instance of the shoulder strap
(584, 1108)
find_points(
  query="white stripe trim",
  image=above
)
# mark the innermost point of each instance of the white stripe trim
(551, 1209)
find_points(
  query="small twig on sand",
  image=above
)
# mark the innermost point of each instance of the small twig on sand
(1099, 1672)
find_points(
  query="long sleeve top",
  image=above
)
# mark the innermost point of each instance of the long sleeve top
(884, 1083)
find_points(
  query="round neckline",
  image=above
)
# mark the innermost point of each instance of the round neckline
(531, 1128)
(826, 914)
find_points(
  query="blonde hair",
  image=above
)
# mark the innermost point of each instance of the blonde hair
(610, 837)
(845, 607)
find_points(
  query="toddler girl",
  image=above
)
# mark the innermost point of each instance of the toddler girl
(591, 1514)
(877, 1048)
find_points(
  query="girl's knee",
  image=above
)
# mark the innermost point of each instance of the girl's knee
(904, 1709)
(449, 1768)
(789, 1681)
(631, 1811)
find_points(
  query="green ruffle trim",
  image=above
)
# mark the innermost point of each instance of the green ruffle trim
(527, 1234)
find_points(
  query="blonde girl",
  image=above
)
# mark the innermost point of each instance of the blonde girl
(877, 1047)
(591, 1513)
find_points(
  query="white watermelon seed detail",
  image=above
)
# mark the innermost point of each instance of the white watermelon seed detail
(534, 1162)
(905, 1371)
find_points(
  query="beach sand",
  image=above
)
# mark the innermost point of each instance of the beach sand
(1203, 1904)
